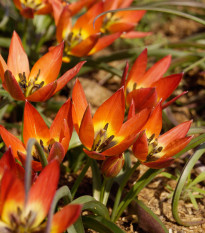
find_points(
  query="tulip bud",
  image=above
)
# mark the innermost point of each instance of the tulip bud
(112, 165)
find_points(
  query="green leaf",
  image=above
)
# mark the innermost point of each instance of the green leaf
(196, 189)
(77, 227)
(100, 224)
(89, 203)
(181, 183)
(168, 175)
(198, 179)
(74, 141)
(147, 220)
(193, 200)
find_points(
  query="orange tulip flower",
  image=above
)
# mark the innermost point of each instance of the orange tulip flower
(105, 134)
(54, 141)
(28, 8)
(122, 21)
(147, 88)
(83, 38)
(39, 84)
(26, 212)
(155, 150)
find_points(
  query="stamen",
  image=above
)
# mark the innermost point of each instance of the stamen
(151, 138)
(105, 143)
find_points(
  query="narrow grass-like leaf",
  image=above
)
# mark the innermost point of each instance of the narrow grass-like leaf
(80, 178)
(198, 179)
(157, 9)
(64, 191)
(193, 200)
(181, 182)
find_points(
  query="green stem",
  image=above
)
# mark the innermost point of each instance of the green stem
(122, 185)
(108, 186)
(80, 178)
(60, 193)
(103, 189)
(145, 179)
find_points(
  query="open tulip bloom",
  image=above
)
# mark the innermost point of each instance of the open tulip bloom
(147, 88)
(54, 141)
(41, 82)
(155, 150)
(122, 21)
(26, 212)
(81, 39)
(28, 8)
(105, 134)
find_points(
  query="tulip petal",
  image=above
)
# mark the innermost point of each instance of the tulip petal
(135, 34)
(104, 42)
(11, 141)
(143, 98)
(140, 147)
(34, 125)
(42, 192)
(17, 59)
(85, 22)
(129, 16)
(156, 71)
(7, 161)
(63, 22)
(114, 116)
(121, 27)
(49, 65)
(64, 79)
(154, 123)
(175, 146)
(177, 132)
(128, 133)
(84, 47)
(159, 164)
(94, 155)
(137, 71)
(43, 93)
(12, 86)
(57, 126)
(86, 132)
(12, 196)
(3, 68)
(79, 104)
(65, 218)
(165, 86)
(57, 152)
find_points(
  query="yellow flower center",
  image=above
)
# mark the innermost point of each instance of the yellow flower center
(102, 141)
(19, 223)
(34, 4)
(153, 149)
(72, 40)
(46, 148)
(29, 87)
